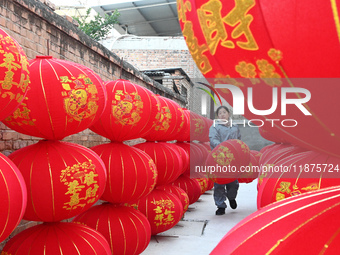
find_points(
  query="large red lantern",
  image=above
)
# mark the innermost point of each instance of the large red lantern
(252, 172)
(227, 160)
(58, 238)
(129, 113)
(163, 210)
(170, 122)
(190, 186)
(289, 227)
(126, 230)
(266, 49)
(184, 136)
(14, 75)
(180, 193)
(64, 98)
(63, 179)
(168, 161)
(131, 173)
(13, 197)
(298, 174)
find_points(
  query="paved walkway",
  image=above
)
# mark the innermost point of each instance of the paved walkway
(201, 230)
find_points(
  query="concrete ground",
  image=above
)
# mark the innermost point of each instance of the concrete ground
(200, 230)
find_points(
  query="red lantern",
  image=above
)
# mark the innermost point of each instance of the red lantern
(288, 227)
(196, 158)
(168, 162)
(13, 195)
(131, 173)
(299, 173)
(190, 186)
(58, 238)
(203, 184)
(126, 230)
(170, 122)
(266, 49)
(183, 155)
(14, 75)
(199, 129)
(178, 192)
(226, 160)
(130, 112)
(184, 136)
(254, 169)
(64, 99)
(163, 210)
(63, 179)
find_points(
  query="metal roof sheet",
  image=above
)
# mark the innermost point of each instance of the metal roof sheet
(146, 17)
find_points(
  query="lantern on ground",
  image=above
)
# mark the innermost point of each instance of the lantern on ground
(299, 173)
(13, 196)
(63, 179)
(126, 230)
(129, 113)
(58, 238)
(180, 193)
(190, 186)
(289, 227)
(131, 173)
(64, 98)
(163, 210)
(14, 75)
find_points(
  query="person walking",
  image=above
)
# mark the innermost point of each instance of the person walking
(218, 133)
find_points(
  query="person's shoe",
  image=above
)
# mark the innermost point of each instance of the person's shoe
(233, 204)
(220, 211)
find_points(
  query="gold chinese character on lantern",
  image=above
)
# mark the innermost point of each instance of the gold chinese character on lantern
(213, 25)
(81, 182)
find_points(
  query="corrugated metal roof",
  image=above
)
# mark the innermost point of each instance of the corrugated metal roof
(146, 17)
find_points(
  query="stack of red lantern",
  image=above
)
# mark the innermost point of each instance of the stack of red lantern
(14, 80)
(63, 179)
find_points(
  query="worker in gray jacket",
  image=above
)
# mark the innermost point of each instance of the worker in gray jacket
(218, 133)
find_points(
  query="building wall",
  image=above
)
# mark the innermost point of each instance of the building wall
(147, 53)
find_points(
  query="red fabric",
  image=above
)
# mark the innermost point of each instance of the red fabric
(58, 238)
(267, 47)
(64, 98)
(131, 173)
(14, 75)
(168, 161)
(63, 179)
(163, 210)
(231, 153)
(288, 227)
(178, 192)
(190, 186)
(170, 122)
(127, 230)
(13, 195)
(319, 171)
(129, 113)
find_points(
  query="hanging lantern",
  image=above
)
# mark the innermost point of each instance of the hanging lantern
(131, 173)
(168, 162)
(227, 159)
(288, 227)
(178, 192)
(299, 173)
(130, 112)
(64, 98)
(126, 230)
(163, 210)
(170, 123)
(58, 238)
(190, 186)
(63, 179)
(13, 197)
(266, 49)
(14, 75)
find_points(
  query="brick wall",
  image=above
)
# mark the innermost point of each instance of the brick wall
(32, 24)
